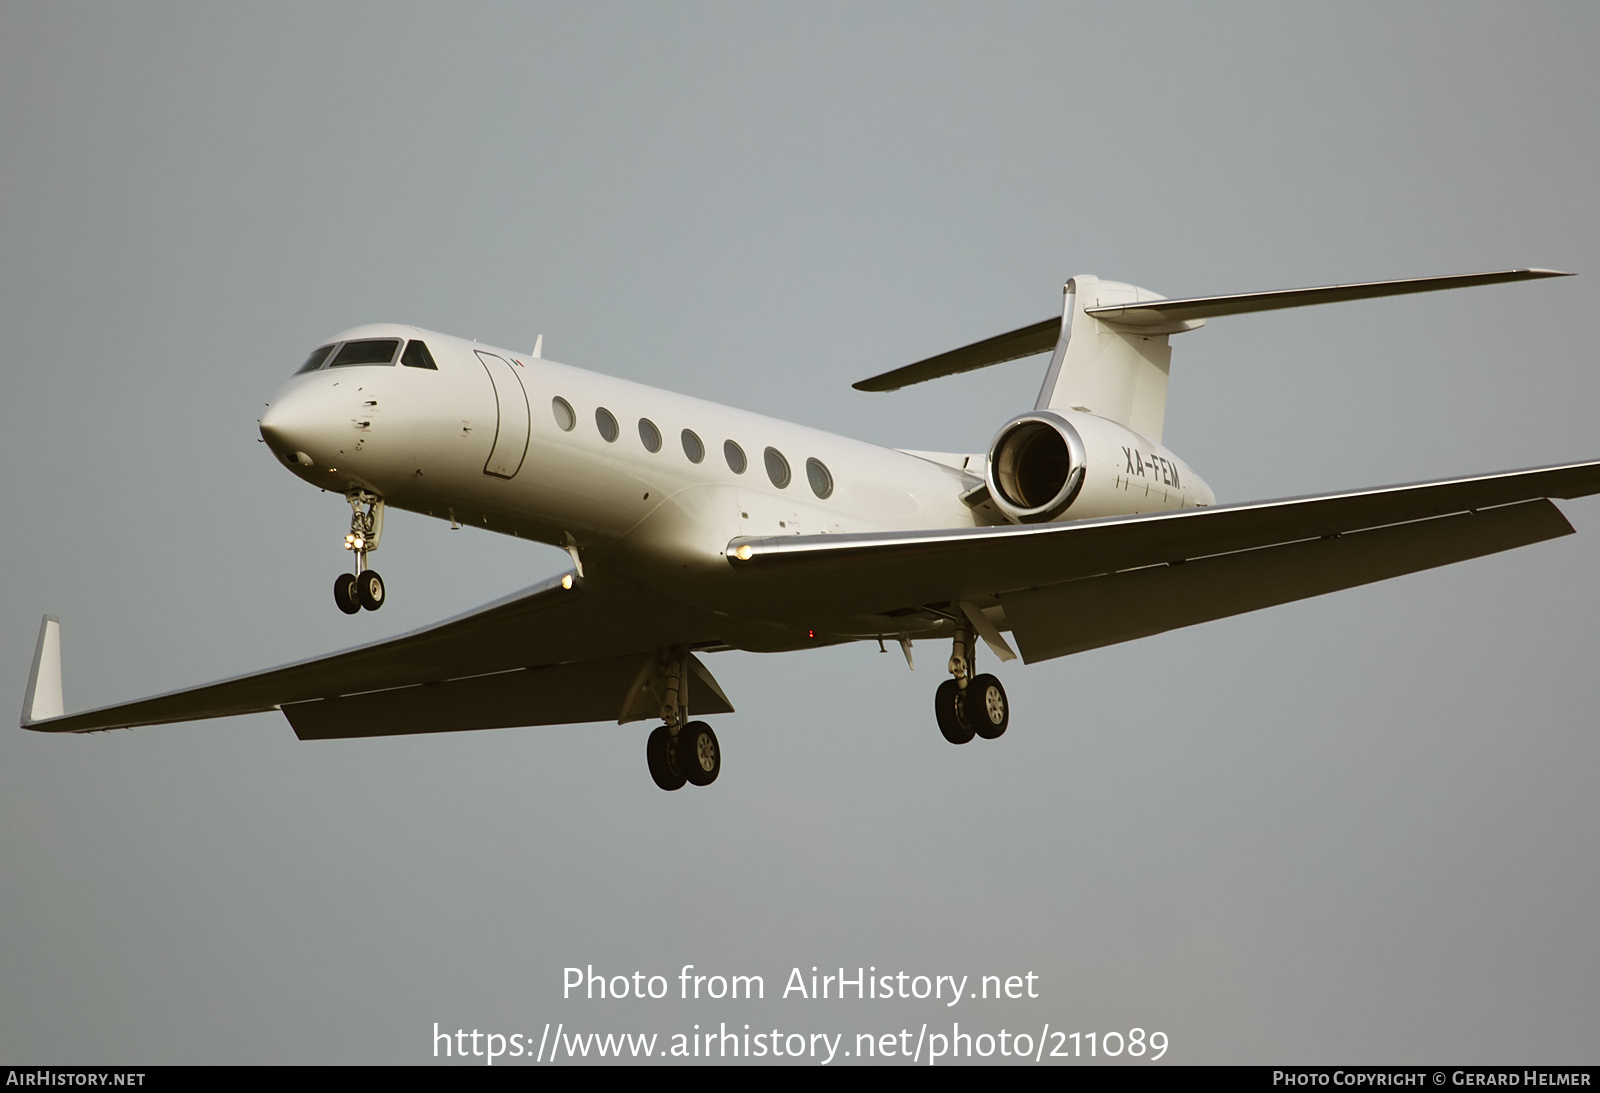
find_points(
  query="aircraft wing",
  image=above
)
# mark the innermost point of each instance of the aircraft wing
(1077, 585)
(544, 656)
(558, 655)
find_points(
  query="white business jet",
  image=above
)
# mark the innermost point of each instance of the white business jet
(695, 528)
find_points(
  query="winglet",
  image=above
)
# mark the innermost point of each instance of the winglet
(43, 699)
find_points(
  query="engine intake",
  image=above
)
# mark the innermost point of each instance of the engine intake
(1036, 467)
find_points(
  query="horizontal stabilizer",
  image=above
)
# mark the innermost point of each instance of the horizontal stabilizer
(1166, 312)
(1171, 316)
(1038, 338)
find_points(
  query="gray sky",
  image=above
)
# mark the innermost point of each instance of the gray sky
(1357, 828)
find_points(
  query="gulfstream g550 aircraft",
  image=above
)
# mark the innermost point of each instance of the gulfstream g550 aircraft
(694, 528)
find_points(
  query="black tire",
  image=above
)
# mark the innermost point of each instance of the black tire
(658, 753)
(947, 707)
(344, 593)
(699, 755)
(369, 589)
(986, 707)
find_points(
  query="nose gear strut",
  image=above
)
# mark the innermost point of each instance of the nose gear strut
(364, 588)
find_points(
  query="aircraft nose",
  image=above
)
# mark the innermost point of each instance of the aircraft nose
(296, 428)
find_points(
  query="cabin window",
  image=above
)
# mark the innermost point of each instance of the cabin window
(735, 456)
(417, 356)
(562, 409)
(649, 435)
(692, 447)
(821, 481)
(606, 424)
(366, 351)
(777, 467)
(316, 360)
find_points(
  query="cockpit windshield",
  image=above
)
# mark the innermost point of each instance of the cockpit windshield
(366, 351)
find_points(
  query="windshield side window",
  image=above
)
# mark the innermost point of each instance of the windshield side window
(367, 351)
(417, 356)
(316, 359)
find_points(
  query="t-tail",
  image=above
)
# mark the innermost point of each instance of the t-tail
(1110, 346)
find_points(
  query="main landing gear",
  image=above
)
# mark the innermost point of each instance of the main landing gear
(967, 705)
(363, 588)
(693, 756)
(679, 753)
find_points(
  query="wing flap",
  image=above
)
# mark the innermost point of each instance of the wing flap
(1077, 615)
(564, 694)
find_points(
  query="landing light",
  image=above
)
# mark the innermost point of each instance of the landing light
(744, 553)
(566, 580)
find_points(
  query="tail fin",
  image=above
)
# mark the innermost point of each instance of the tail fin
(1113, 370)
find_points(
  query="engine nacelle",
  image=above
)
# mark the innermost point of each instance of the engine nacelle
(1036, 467)
(1053, 465)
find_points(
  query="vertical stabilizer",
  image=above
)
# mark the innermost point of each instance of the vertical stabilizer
(1112, 370)
(43, 699)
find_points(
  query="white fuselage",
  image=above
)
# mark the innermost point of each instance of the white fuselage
(480, 440)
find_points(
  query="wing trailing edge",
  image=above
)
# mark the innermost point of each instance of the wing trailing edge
(562, 694)
(1075, 616)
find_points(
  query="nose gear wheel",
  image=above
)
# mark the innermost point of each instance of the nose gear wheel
(344, 593)
(369, 589)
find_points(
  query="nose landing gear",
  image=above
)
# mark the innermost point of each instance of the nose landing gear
(363, 588)
(965, 705)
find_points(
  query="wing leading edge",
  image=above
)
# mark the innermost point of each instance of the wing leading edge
(1078, 585)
